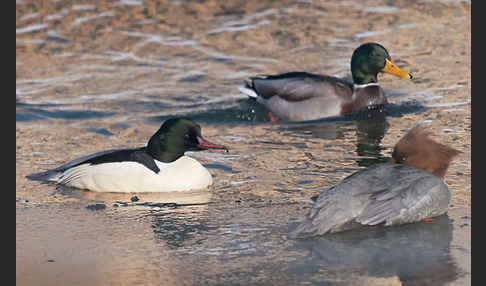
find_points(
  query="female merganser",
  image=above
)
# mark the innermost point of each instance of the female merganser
(301, 96)
(408, 189)
(159, 167)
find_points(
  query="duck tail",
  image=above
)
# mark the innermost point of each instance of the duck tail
(248, 89)
(49, 175)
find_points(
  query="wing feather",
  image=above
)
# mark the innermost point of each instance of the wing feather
(381, 193)
(299, 86)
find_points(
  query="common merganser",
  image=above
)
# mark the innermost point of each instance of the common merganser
(161, 166)
(409, 188)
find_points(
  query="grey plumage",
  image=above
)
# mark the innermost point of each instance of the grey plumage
(300, 96)
(388, 194)
(298, 86)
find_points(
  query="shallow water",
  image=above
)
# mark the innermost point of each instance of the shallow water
(102, 75)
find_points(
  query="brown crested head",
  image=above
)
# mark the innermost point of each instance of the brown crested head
(417, 149)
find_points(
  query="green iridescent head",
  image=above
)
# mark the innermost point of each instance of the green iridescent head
(371, 58)
(176, 136)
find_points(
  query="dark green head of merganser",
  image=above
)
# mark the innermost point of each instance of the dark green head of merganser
(371, 58)
(175, 137)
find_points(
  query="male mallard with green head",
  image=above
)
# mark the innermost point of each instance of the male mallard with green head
(302, 96)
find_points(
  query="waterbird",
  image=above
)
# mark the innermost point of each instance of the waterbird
(302, 96)
(409, 188)
(160, 166)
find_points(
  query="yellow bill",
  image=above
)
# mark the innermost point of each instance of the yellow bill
(392, 68)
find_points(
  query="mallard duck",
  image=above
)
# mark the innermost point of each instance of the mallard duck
(161, 166)
(302, 96)
(409, 188)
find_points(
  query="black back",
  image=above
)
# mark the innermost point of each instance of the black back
(132, 155)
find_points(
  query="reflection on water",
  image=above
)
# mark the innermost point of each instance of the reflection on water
(175, 227)
(170, 199)
(329, 130)
(249, 246)
(369, 134)
(417, 253)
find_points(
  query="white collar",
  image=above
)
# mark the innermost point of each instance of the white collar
(364, 85)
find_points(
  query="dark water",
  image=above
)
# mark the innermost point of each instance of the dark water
(97, 75)
(408, 252)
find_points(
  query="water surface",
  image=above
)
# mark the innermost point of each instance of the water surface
(98, 75)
